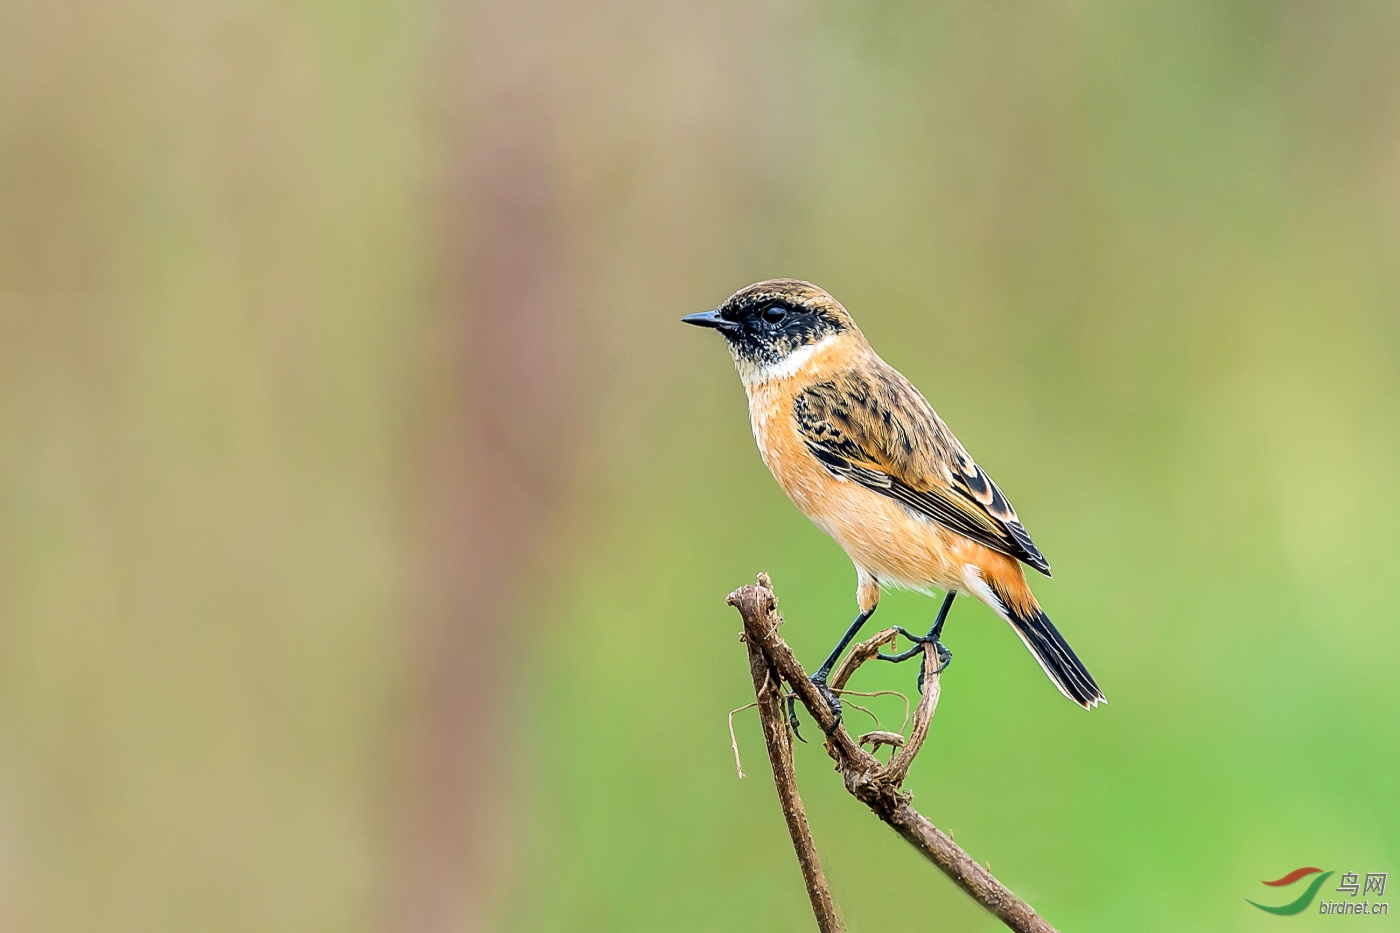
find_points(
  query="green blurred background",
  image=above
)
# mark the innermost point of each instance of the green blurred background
(366, 515)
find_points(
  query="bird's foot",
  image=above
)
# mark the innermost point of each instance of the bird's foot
(945, 657)
(829, 695)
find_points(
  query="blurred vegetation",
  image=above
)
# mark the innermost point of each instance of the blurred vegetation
(1144, 258)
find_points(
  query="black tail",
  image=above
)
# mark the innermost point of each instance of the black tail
(1056, 657)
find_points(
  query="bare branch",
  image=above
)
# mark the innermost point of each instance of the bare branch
(768, 689)
(875, 785)
(858, 654)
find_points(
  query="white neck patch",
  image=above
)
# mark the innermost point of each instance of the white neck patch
(789, 365)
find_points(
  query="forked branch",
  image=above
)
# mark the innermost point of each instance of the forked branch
(772, 664)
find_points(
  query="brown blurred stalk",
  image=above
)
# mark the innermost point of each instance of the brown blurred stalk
(497, 449)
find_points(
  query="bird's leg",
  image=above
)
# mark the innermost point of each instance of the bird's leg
(945, 656)
(819, 678)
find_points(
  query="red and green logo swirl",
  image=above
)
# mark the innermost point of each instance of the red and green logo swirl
(1304, 899)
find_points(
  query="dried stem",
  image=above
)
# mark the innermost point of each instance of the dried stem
(768, 689)
(771, 662)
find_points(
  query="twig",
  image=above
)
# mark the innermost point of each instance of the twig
(873, 718)
(734, 742)
(880, 693)
(768, 689)
(858, 654)
(875, 785)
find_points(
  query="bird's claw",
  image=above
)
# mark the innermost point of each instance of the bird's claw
(832, 702)
(945, 657)
(791, 700)
(829, 696)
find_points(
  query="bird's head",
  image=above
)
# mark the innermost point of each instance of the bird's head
(769, 325)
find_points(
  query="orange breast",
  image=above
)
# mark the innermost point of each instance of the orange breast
(881, 536)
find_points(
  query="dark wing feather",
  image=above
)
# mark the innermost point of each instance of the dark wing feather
(874, 428)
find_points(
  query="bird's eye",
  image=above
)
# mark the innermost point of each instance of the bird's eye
(774, 314)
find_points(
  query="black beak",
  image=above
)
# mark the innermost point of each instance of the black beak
(710, 319)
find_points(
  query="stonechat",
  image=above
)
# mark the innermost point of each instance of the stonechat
(863, 455)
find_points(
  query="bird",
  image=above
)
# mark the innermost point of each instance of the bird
(864, 455)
